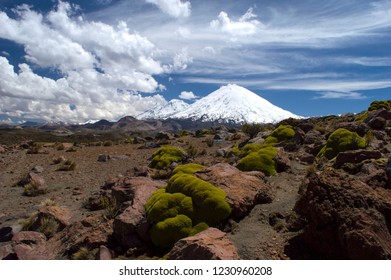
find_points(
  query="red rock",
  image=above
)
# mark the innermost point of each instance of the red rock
(7, 253)
(346, 218)
(91, 232)
(242, 188)
(128, 227)
(31, 245)
(104, 253)
(355, 157)
(210, 244)
(34, 179)
(61, 215)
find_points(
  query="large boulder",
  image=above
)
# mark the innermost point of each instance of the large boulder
(356, 156)
(91, 232)
(31, 245)
(244, 189)
(61, 215)
(33, 179)
(130, 227)
(345, 217)
(210, 244)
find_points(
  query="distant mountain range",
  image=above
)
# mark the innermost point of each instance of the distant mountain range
(228, 104)
(231, 105)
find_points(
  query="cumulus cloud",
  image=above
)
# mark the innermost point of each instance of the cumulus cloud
(104, 68)
(340, 95)
(188, 95)
(174, 8)
(244, 26)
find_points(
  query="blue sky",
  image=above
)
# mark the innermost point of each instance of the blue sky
(87, 60)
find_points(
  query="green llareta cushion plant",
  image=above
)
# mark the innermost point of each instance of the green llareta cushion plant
(189, 168)
(186, 206)
(379, 104)
(341, 140)
(262, 160)
(163, 157)
(280, 134)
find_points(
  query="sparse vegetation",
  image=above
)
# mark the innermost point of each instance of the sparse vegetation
(34, 189)
(68, 165)
(110, 206)
(84, 253)
(252, 129)
(48, 226)
(36, 148)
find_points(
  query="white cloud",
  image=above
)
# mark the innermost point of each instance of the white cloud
(174, 8)
(246, 25)
(183, 32)
(6, 121)
(182, 59)
(188, 95)
(5, 53)
(103, 67)
(340, 95)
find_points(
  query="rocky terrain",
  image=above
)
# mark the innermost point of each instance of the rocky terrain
(317, 188)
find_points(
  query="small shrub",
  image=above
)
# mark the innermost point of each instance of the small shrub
(68, 166)
(341, 140)
(58, 160)
(192, 151)
(251, 129)
(184, 133)
(163, 157)
(161, 174)
(48, 202)
(361, 117)
(71, 150)
(108, 143)
(35, 149)
(59, 146)
(34, 189)
(210, 142)
(262, 160)
(48, 226)
(110, 206)
(27, 223)
(84, 254)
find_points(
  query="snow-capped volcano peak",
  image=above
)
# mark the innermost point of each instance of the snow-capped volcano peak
(164, 111)
(233, 103)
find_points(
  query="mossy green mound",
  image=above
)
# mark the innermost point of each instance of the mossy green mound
(163, 157)
(169, 231)
(341, 140)
(262, 160)
(379, 104)
(189, 168)
(184, 202)
(280, 134)
(250, 148)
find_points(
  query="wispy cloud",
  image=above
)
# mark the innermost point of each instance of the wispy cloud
(340, 95)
